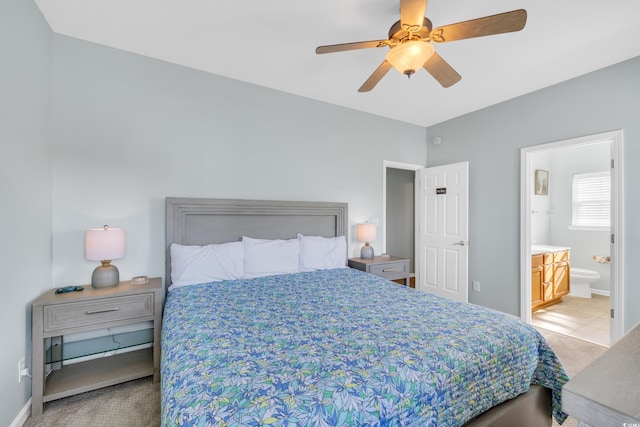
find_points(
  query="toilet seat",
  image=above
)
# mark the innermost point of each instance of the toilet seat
(584, 273)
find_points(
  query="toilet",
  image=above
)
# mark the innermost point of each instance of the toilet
(581, 280)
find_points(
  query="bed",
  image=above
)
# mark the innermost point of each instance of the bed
(330, 345)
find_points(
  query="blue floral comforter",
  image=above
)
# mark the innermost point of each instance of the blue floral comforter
(341, 347)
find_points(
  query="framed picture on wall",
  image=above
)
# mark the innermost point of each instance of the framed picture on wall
(542, 182)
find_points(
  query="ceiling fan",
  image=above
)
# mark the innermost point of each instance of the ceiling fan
(410, 37)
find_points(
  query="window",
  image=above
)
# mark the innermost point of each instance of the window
(592, 201)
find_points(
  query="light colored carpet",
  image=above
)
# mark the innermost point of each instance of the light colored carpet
(137, 403)
(574, 354)
(134, 404)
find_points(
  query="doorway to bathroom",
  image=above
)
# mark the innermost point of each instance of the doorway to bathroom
(571, 197)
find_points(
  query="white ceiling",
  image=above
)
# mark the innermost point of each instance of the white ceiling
(272, 44)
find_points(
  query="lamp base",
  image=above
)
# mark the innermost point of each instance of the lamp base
(105, 276)
(366, 252)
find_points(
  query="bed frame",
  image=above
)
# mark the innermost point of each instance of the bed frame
(194, 221)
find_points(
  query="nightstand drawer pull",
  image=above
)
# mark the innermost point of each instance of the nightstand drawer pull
(388, 270)
(102, 310)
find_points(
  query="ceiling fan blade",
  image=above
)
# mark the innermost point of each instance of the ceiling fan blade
(442, 71)
(350, 46)
(412, 14)
(377, 75)
(495, 24)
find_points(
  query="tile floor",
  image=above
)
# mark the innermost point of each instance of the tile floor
(583, 318)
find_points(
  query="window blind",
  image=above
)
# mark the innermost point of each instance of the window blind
(592, 199)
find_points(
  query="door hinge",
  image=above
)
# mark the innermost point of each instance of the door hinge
(612, 313)
(613, 239)
(612, 164)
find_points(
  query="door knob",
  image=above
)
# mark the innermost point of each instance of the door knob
(460, 243)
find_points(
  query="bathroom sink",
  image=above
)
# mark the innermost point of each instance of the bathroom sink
(543, 249)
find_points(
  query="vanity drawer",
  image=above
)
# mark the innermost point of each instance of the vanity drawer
(92, 312)
(536, 261)
(562, 256)
(390, 270)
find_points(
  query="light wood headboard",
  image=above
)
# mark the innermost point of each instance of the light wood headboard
(192, 221)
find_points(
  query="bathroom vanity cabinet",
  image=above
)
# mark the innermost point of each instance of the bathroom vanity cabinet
(550, 279)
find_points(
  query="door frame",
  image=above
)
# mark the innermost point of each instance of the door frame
(617, 284)
(390, 164)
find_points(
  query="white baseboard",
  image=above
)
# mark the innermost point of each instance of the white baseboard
(600, 292)
(22, 416)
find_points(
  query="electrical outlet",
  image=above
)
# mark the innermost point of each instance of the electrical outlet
(475, 285)
(21, 369)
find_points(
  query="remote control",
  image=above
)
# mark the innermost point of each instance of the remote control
(69, 289)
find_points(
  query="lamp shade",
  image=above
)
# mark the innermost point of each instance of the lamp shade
(410, 56)
(104, 243)
(366, 232)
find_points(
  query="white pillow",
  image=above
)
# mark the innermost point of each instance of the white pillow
(202, 264)
(322, 253)
(264, 257)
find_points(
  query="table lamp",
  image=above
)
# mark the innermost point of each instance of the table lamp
(366, 233)
(104, 244)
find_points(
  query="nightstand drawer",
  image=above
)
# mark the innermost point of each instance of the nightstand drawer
(92, 312)
(390, 270)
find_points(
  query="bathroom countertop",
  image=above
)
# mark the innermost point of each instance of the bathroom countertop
(544, 249)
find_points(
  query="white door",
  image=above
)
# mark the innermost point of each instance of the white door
(443, 197)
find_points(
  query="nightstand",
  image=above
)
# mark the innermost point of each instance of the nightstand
(55, 315)
(388, 267)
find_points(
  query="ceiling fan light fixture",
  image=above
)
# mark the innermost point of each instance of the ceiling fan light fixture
(410, 56)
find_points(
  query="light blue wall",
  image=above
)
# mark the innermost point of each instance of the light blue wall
(541, 205)
(130, 131)
(25, 188)
(491, 139)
